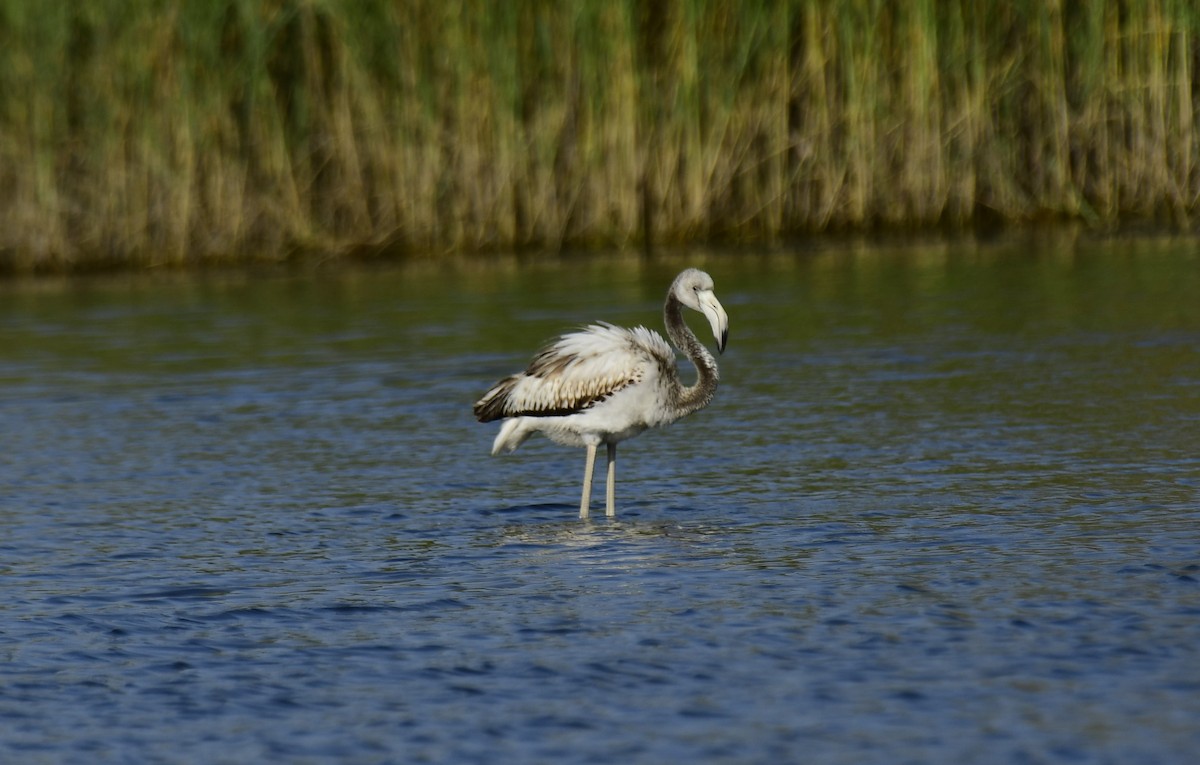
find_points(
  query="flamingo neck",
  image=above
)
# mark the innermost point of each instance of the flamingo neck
(694, 397)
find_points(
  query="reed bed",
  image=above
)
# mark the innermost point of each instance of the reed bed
(151, 132)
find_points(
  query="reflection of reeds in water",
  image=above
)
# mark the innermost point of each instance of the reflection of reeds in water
(145, 132)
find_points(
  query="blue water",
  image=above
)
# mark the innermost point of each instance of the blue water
(944, 509)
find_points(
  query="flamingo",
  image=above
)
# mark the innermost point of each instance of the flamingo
(604, 384)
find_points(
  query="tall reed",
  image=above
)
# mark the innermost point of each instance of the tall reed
(160, 131)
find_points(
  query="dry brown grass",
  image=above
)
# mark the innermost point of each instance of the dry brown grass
(155, 134)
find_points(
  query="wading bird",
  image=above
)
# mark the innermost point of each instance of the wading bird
(604, 384)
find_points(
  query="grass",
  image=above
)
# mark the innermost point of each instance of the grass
(152, 132)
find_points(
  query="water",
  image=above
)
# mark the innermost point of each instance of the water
(944, 509)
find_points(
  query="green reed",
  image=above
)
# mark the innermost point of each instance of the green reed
(154, 132)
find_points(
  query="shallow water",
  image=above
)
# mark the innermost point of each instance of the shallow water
(943, 509)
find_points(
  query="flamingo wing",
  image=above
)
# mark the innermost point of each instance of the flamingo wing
(575, 372)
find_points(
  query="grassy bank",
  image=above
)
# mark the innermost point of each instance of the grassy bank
(152, 131)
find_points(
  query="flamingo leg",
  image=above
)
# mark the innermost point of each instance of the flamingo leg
(610, 507)
(587, 481)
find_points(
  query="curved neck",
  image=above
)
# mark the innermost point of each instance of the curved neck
(696, 396)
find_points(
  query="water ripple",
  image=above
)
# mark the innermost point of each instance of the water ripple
(271, 532)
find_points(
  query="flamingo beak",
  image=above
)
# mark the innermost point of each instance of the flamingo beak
(717, 318)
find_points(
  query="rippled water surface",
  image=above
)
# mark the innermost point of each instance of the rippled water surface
(944, 509)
